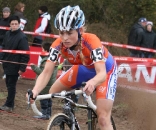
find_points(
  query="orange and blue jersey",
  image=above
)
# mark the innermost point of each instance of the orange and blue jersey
(90, 52)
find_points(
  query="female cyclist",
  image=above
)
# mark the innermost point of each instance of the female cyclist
(91, 61)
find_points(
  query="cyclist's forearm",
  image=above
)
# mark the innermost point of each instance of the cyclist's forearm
(41, 82)
(99, 78)
(101, 74)
(43, 78)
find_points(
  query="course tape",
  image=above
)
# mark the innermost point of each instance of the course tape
(118, 58)
(105, 43)
(149, 60)
(128, 47)
(33, 33)
(24, 52)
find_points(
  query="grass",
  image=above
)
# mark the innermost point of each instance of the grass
(3, 95)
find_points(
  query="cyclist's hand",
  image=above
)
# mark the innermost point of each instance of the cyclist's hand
(35, 93)
(32, 95)
(89, 87)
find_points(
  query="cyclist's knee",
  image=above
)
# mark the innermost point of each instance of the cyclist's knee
(104, 119)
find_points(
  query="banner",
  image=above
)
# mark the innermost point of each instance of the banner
(137, 74)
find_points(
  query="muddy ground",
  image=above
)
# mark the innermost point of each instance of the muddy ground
(133, 110)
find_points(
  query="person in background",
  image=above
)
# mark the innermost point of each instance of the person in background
(4, 21)
(14, 39)
(149, 41)
(41, 24)
(46, 104)
(135, 37)
(19, 9)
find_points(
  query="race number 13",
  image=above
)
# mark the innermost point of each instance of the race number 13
(97, 55)
(53, 56)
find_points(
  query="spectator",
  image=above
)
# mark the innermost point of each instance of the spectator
(136, 36)
(14, 39)
(149, 40)
(4, 21)
(46, 104)
(19, 9)
(154, 45)
(41, 24)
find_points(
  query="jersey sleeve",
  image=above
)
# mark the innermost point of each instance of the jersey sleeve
(96, 48)
(93, 41)
(54, 52)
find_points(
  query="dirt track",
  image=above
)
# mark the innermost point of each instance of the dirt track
(132, 110)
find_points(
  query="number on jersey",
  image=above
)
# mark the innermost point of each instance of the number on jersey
(97, 55)
(53, 54)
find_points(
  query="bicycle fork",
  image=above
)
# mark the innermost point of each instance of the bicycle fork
(91, 120)
(69, 112)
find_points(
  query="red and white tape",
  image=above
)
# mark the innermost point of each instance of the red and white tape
(118, 58)
(33, 33)
(24, 52)
(105, 43)
(128, 46)
(131, 59)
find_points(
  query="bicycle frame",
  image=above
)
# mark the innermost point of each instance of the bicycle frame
(68, 109)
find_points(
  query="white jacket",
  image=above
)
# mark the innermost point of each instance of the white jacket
(44, 23)
(22, 23)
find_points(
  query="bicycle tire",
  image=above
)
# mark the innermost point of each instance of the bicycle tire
(59, 121)
(113, 123)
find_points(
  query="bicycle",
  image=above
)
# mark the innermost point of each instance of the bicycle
(67, 119)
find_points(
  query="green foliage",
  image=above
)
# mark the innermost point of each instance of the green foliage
(3, 95)
(115, 14)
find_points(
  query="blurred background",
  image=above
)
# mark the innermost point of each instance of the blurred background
(110, 20)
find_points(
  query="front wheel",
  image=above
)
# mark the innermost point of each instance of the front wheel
(59, 121)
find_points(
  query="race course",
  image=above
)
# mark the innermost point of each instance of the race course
(133, 110)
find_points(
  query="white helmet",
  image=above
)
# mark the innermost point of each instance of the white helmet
(69, 18)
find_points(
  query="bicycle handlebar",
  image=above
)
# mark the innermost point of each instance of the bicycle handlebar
(63, 95)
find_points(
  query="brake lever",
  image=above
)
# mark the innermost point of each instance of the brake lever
(83, 93)
(28, 106)
(30, 95)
